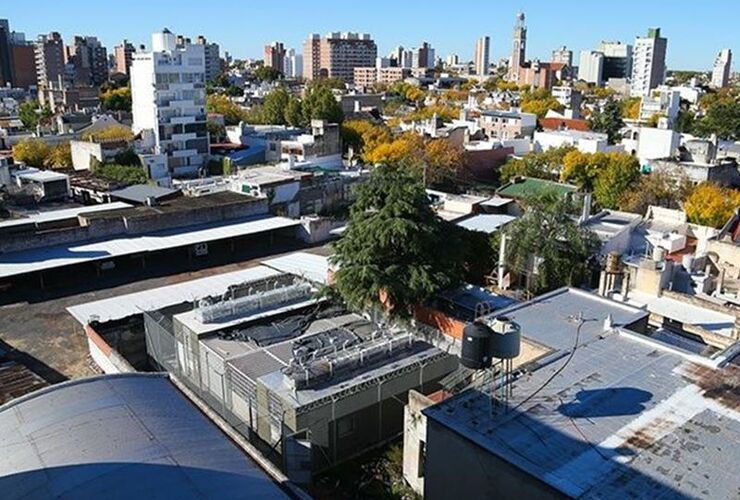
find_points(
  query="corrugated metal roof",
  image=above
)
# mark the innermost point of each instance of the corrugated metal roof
(157, 298)
(17, 263)
(140, 192)
(67, 213)
(310, 266)
(122, 436)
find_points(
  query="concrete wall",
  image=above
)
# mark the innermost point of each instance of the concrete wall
(104, 356)
(457, 468)
(414, 440)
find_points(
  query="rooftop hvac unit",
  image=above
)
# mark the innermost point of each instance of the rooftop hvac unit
(259, 301)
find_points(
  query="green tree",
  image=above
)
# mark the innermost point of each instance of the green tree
(215, 130)
(28, 112)
(608, 120)
(32, 152)
(294, 112)
(545, 165)
(722, 117)
(222, 105)
(395, 252)
(117, 99)
(539, 102)
(274, 106)
(546, 248)
(656, 189)
(618, 176)
(319, 103)
(267, 74)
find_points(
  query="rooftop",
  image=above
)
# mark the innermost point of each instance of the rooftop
(22, 262)
(59, 215)
(129, 436)
(609, 223)
(617, 416)
(528, 186)
(139, 193)
(487, 223)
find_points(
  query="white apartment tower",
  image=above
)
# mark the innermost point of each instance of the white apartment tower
(563, 55)
(293, 64)
(518, 48)
(648, 63)
(482, 55)
(168, 103)
(591, 66)
(721, 70)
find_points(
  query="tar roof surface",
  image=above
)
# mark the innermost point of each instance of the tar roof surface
(124, 436)
(623, 418)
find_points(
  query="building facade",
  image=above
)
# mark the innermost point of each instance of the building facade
(6, 55)
(617, 60)
(721, 69)
(49, 52)
(337, 55)
(275, 56)
(591, 66)
(24, 65)
(90, 61)
(124, 55)
(648, 67)
(482, 55)
(168, 94)
(212, 58)
(563, 55)
(293, 65)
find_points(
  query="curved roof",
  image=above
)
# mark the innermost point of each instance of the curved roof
(120, 436)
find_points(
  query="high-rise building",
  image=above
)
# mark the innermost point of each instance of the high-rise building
(591, 66)
(482, 55)
(518, 47)
(49, 52)
(648, 63)
(89, 59)
(293, 67)
(124, 54)
(168, 103)
(423, 56)
(563, 55)
(212, 57)
(452, 60)
(24, 64)
(6, 54)
(721, 69)
(617, 60)
(275, 56)
(337, 55)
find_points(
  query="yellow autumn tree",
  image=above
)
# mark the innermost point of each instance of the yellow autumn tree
(711, 205)
(365, 136)
(32, 152)
(60, 156)
(111, 133)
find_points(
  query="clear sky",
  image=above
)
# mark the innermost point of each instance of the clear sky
(696, 30)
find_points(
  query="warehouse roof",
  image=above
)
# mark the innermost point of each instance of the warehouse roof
(622, 418)
(17, 263)
(122, 436)
(123, 306)
(310, 266)
(486, 223)
(139, 193)
(67, 213)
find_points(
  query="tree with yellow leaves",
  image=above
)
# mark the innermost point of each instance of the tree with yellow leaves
(364, 136)
(111, 133)
(711, 205)
(32, 152)
(60, 156)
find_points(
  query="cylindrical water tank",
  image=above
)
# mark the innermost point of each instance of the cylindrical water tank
(476, 346)
(506, 340)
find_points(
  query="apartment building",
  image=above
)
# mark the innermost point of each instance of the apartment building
(507, 124)
(563, 55)
(482, 55)
(337, 55)
(617, 60)
(124, 55)
(275, 56)
(49, 51)
(90, 61)
(6, 61)
(591, 66)
(648, 69)
(211, 58)
(168, 94)
(721, 69)
(293, 64)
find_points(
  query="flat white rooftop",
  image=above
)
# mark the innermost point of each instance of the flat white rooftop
(123, 306)
(18, 263)
(67, 213)
(307, 265)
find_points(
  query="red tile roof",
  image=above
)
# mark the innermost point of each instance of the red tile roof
(564, 124)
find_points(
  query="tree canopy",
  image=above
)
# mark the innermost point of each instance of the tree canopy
(118, 99)
(608, 175)
(711, 205)
(544, 165)
(608, 120)
(395, 252)
(539, 102)
(222, 105)
(267, 74)
(546, 248)
(32, 152)
(721, 116)
(657, 189)
(31, 114)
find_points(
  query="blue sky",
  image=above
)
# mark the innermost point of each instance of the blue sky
(696, 31)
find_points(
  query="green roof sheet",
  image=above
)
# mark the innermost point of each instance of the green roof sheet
(531, 186)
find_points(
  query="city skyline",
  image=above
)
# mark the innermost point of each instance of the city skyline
(548, 27)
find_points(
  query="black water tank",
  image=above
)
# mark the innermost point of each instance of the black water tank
(476, 346)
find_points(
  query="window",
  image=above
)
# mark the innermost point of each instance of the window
(421, 459)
